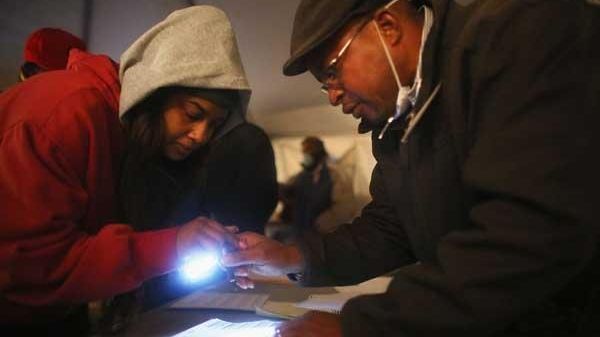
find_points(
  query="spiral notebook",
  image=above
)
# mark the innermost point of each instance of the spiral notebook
(333, 303)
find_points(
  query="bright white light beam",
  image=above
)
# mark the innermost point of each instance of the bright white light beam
(199, 266)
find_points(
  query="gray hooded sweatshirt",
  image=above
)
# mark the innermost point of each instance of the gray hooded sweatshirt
(193, 47)
(236, 182)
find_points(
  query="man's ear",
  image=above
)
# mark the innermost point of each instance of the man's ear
(390, 26)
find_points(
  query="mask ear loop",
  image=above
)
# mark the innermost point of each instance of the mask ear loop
(391, 3)
(399, 108)
(388, 55)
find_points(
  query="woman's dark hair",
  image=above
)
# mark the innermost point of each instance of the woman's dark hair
(144, 124)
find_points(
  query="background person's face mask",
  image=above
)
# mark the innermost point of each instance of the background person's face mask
(308, 161)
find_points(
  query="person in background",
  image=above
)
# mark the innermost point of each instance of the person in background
(62, 243)
(484, 129)
(47, 49)
(191, 152)
(320, 196)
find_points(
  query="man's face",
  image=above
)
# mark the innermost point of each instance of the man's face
(360, 79)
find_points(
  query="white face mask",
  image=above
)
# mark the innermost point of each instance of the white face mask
(308, 161)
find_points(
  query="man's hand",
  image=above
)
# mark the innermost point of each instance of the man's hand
(262, 256)
(204, 234)
(312, 324)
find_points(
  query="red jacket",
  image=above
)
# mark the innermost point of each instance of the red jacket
(60, 143)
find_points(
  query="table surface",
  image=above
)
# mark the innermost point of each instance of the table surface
(164, 321)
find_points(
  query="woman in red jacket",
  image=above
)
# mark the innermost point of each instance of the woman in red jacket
(61, 244)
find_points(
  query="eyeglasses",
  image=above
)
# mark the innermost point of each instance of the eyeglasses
(331, 73)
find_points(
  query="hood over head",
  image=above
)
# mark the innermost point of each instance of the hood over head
(194, 47)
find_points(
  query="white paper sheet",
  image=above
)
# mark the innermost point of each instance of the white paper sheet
(226, 301)
(219, 328)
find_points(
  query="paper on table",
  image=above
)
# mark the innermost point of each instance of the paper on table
(227, 301)
(219, 328)
(333, 303)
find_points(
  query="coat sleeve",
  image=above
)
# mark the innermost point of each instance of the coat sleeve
(354, 251)
(47, 256)
(531, 230)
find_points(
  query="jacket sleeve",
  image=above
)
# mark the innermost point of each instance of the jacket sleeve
(241, 178)
(47, 257)
(353, 252)
(531, 230)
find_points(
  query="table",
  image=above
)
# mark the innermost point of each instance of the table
(164, 322)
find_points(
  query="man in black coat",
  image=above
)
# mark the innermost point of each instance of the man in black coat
(481, 114)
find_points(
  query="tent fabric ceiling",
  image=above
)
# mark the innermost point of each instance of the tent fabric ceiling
(282, 105)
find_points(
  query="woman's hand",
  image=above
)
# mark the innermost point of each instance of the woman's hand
(205, 234)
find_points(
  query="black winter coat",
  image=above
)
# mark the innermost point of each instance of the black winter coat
(488, 209)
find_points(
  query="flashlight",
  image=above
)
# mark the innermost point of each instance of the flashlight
(203, 265)
(199, 266)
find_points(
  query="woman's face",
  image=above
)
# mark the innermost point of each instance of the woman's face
(190, 121)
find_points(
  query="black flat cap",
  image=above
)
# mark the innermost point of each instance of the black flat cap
(318, 20)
